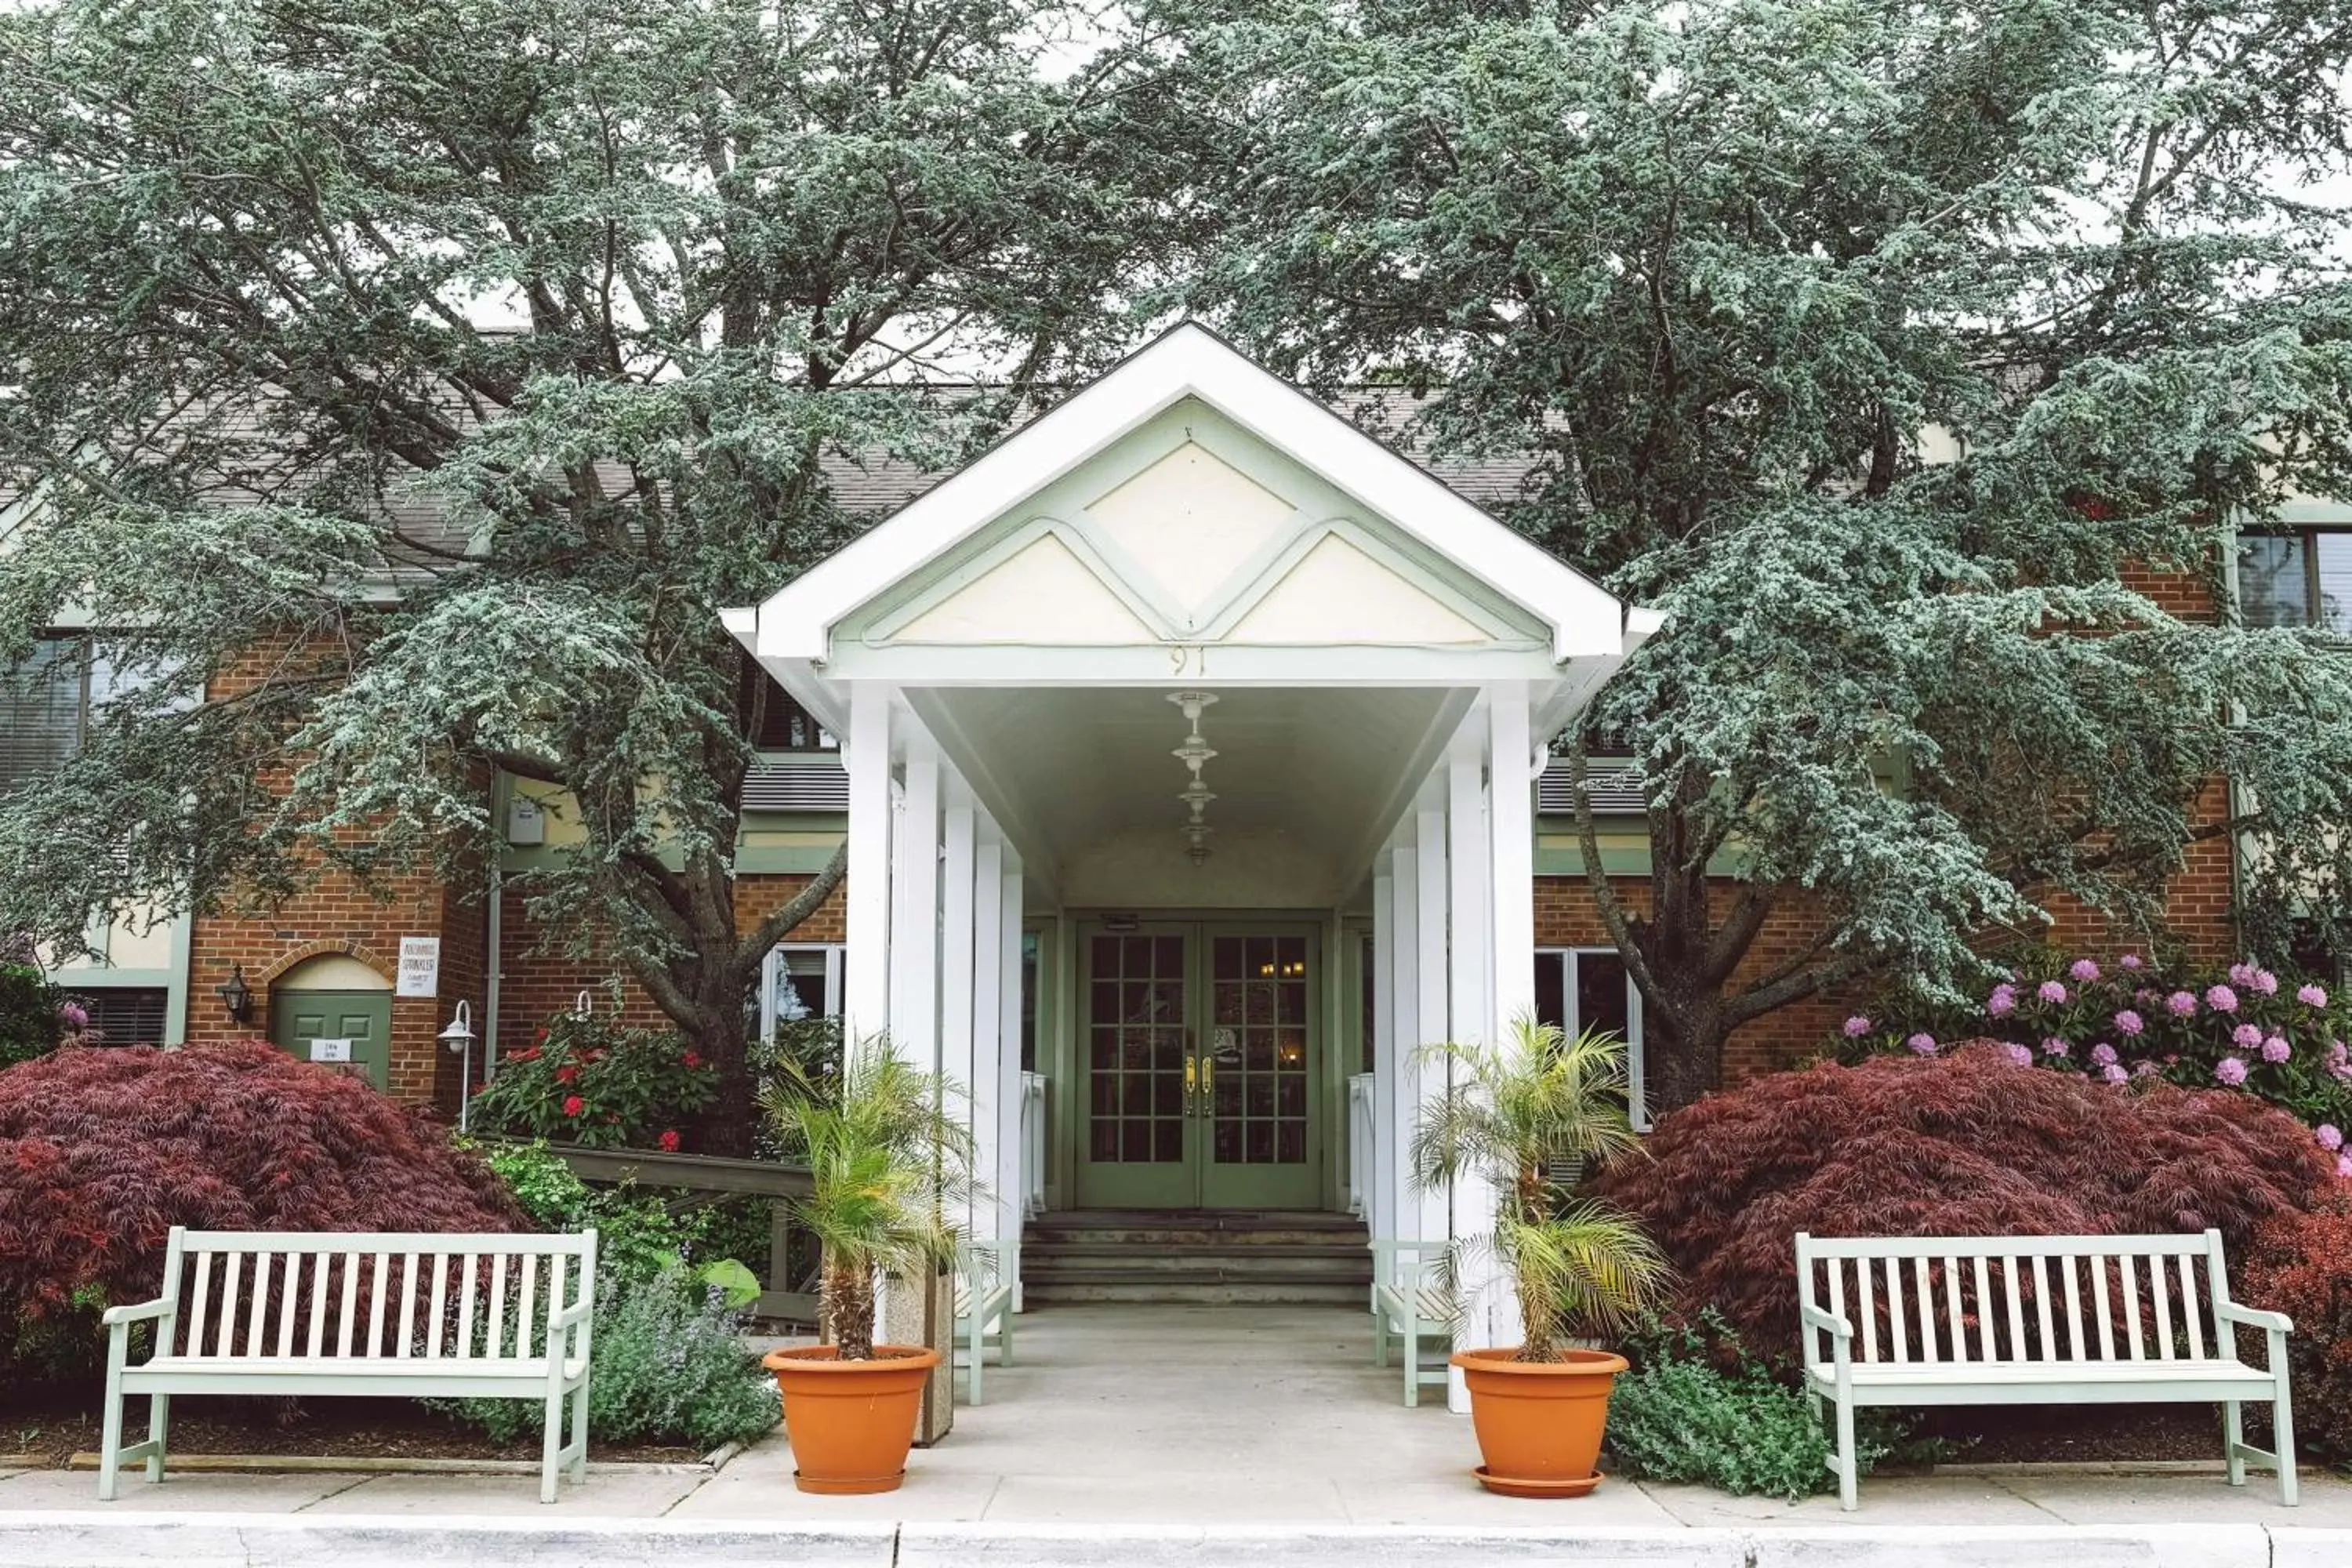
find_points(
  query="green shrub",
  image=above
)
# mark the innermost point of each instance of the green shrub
(1679, 1416)
(666, 1367)
(600, 1083)
(638, 1235)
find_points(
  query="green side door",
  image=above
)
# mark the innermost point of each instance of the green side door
(301, 1020)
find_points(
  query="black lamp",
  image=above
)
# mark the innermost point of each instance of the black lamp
(236, 994)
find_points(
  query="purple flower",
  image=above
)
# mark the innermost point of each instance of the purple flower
(2054, 1047)
(2113, 1073)
(2221, 999)
(2180, 1004)
(2129, 1022)
(2274, 1049)
(74, 1018)
(2312, 996)
(2145, 1069)
(2242, 973)
(1856, 1027)
(2331, 1137)
(2019, 1054)
(2103, 1054)
(2002, 1001)
(2231, 1070)
(1922, 1044)
(2129, 961)
(2050, 991)
(2344, 1167)
(2245, 1036)
(2264, 981)
(2084, 971)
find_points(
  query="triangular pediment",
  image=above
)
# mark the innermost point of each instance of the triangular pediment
(1040, 593)
(1189, 523)
(1338, 593)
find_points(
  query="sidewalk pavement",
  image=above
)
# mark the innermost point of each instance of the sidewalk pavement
(1194, 1436)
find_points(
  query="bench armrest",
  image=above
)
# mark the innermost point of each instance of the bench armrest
(2255, 1318)
(575, 1315)
(1832, 1323)
(162, 1307)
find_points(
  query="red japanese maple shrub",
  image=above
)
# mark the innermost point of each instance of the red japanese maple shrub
(1969, 1144)
(102, 1152)
(2301, 1264)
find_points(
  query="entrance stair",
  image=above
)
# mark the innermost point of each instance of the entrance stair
(1196, 1256)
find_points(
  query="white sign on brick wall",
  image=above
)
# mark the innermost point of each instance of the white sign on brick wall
(420, 966)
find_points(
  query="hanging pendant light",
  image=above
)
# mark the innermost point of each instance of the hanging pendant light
(1194, 753)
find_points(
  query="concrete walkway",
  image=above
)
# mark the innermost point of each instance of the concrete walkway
(1193, 1423)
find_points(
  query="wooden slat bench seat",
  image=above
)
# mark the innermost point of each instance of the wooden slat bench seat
(1409, 1306)
(2040, 1320)
(986, 1275)
(476, 1316)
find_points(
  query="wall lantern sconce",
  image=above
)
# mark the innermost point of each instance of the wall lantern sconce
(236, 994)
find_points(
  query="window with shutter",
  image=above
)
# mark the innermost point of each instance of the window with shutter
(44, 706)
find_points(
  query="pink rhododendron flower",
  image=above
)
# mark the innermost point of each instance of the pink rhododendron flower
(2331, 1137)
(2113, 1073)
(2145, 1069)
(2129, 1022)
(2274, 1049)
(2002, 1001)
(2054, 1047)
(2129, 961)
(2050, 991)
(2084, 971)
(2312, 996)
(2221, 999)
(2265, 981)
(2344, 1167)
(2180, 1004)
(2242, 973)
(2019, 1054)
(2103, 1054)
(73, 1015)
(2245, 1036)
(1856, 1027)
(1922, 1044)
(2231, 1070)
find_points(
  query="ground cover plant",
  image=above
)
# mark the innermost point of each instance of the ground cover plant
(1966, 1142)
(103, 1150)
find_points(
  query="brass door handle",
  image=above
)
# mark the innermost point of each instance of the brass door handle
(1208, 1084)
(1192, 1080)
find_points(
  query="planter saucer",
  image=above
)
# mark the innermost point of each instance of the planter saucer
(1508, 1487)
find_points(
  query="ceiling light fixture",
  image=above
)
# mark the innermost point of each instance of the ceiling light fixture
(1193, 752)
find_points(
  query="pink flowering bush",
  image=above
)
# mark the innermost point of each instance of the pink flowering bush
(2135, 1019)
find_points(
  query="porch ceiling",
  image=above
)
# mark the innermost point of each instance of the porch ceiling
(1307, 782)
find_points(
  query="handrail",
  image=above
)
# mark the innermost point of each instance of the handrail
(1359, 1143)
(1033, 1144)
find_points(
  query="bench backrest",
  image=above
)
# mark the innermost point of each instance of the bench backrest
(1952, 1300)
(330, 1295)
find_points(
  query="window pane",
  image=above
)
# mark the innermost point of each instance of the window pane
(40, 711)
(2331, 565)
(2273, 588)
(1551, 1004)
(1601, 996)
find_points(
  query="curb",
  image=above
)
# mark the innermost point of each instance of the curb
(108, 1539)
(386, 1465)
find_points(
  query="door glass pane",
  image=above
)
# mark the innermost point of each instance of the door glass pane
(1135, 1022)
(1600, 996)
(1258, 1040)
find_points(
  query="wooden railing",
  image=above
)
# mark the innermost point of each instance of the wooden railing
(1360, 1143)
(1033, 1144)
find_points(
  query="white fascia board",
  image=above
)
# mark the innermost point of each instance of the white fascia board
(1189, 362)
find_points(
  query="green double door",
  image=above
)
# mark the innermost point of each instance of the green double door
(1199, 1055)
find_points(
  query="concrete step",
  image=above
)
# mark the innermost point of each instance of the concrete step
(1205, 1293)
(1195, 1256)
(1043, 1262)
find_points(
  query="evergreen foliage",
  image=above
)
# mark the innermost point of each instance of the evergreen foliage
(468, 357)
(1876, 345)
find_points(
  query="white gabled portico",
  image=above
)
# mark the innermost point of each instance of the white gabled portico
(1214, 693)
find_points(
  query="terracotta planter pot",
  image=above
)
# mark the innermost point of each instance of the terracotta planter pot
(1540, 1422)
(850, 1422)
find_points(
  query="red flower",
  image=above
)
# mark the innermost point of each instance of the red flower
(693, 1061)
(573, 1105)
(540, 1038)
(669, 1141)
(566, 1074)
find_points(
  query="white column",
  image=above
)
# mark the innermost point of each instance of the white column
(1512, 826)
(1429, 978)
(915, 910)
(986, 1025)
(1379, 1205)
(866, 997)
(1011, 1180)
(1404, 1030)
(959, 941)
(1468, 865)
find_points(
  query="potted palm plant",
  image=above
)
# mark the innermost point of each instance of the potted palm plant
(1518, 1114)
(886, 1165)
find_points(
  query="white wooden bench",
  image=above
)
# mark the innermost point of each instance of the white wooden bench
(2035, 1320)
(987, 1273)
(1407, 1307)
(480, 1316)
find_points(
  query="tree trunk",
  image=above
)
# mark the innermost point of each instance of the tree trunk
(1682, 1056)
(845, 1310)
(721, 1035)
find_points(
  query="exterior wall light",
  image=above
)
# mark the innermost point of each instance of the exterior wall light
(236, 994)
